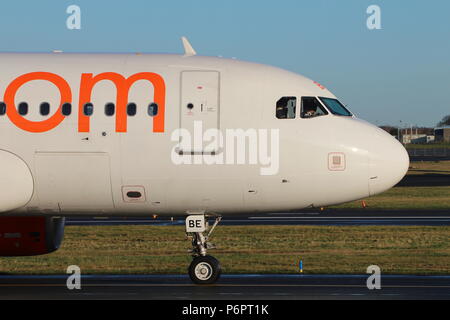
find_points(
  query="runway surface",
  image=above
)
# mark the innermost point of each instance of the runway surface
(230, 287)
(327, 218)
(425, 180)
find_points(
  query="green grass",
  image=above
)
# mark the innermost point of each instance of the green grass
(429, 167)
(432, 198)
(250, 249)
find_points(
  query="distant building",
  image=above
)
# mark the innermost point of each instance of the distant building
(422, 139)
(417, 138)
(415, 135)
(442, 134)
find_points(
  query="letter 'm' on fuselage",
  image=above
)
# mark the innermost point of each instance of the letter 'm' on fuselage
(123, 86)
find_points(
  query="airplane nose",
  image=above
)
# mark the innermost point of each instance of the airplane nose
(388, 163)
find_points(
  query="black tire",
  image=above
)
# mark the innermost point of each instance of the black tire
(205, 270)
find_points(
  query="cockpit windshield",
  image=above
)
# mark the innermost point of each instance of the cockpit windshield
(336, 107)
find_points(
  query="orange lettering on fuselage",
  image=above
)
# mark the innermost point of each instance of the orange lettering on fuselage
(87, 84)
(123, 86)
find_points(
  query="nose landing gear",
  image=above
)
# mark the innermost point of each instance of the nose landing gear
(204, 269)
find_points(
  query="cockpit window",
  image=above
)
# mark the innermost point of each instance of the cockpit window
(336, 107)
(312, 108)
(286, 108)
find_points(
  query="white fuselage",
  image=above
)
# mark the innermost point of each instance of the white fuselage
(87, 167)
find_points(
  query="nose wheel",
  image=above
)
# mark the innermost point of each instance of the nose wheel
(204, 269)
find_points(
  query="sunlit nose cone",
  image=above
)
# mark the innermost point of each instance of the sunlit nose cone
(388, 163)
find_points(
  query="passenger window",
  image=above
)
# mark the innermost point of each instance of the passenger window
(110, 109)
(312, 108)
(23, 108)
(66, 109)
(286, 108)
(131, 109)
(44, 108)
(88, 109)
(2, 108)
(152, 109)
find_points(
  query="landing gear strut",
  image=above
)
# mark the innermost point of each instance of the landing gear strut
(204, 269)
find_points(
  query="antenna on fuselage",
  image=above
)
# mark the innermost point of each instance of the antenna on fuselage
(188, 50)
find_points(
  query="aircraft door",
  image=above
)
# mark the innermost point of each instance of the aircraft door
(200, 109)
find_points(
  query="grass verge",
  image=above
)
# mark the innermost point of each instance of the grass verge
(429, 167)
(250, 249)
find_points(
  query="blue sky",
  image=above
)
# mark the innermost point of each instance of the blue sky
(401, 72)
